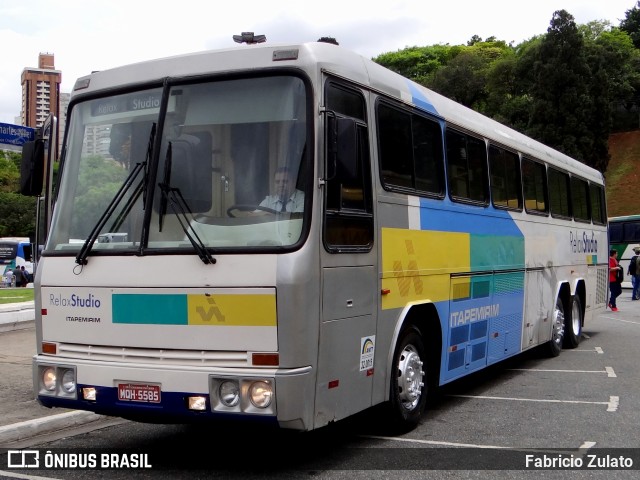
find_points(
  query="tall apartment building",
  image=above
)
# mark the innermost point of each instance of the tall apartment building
(41, 92)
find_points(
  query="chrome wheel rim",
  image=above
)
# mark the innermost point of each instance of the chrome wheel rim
(558, 326)
(410, 377)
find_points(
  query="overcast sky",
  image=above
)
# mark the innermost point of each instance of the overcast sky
(87, 35)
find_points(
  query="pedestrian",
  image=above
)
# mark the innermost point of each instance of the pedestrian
(8, 275)
(18, 275)
(26, 278)
(615, 280)
(634, 272)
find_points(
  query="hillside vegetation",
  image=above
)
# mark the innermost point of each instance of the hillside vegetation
(623, 174)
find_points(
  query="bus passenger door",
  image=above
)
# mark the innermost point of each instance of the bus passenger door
(347, 259)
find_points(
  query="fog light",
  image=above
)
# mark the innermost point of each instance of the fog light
(69, 381)
(197, 403)
(89, 393)
(260, 394)
(229, 393)
(49, 379)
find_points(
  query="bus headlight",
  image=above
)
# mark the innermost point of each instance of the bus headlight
(243, 395)
(260, 394)
(49, 379)
(229, 393)
(68, 381)
(57, 380)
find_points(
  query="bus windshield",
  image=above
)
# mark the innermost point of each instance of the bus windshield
(193, 165)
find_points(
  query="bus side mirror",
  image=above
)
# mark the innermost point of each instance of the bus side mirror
(32, 168)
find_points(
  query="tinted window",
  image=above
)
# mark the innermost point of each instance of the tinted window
(506, 189)
(632, 232)
(580, 199)
(534, 182)
(410, 151)
(467, 163)
(598, 213)
(348, 200)
(396, 152)
(344, 101)
(559, 193)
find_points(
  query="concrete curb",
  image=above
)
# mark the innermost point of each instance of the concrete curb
(16, 307)
(41, 426)
(14, 316)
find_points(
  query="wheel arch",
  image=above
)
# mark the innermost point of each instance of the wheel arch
(564, 294)
(424, 317)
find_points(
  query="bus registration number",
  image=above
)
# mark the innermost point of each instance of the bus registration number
(139, 392)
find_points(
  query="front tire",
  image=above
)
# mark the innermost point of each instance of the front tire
(573, 324)
(408, 382)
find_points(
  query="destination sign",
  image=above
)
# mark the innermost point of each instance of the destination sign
(128, 103)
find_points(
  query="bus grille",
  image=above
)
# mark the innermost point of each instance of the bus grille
(197, 358)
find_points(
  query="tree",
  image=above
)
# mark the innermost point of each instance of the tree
(463, 79)
(418, 63)
(17, 213)
(561, 102)
(9, 171)
(631, 24)
(475, 39)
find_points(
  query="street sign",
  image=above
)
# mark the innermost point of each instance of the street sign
(16, 134)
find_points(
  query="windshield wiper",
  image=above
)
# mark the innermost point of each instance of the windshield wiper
(81, 258)
(166, 181)
(178, 204)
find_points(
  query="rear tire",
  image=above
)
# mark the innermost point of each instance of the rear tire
(554, 346)
(408, 381)
(573, 324)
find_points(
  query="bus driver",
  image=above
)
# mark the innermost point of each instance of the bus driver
(286, 198)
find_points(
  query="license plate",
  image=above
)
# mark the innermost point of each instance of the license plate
(139, 392)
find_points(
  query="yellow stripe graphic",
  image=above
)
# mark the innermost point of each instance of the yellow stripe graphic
(416, 264)
(245, 310)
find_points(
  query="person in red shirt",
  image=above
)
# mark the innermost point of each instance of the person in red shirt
(615, 286)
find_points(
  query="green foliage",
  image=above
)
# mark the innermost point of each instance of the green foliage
(9, 171)
(566, 88)
(463, 79)
(418, 63)
(98, 181)
(17, 215)
(631, 24)
(562, 106)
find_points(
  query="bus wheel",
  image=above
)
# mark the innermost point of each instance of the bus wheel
(573, 324)
(554, 346)
(408, 379)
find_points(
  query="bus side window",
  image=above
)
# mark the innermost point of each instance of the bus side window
(534, 181)
(348, 201)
